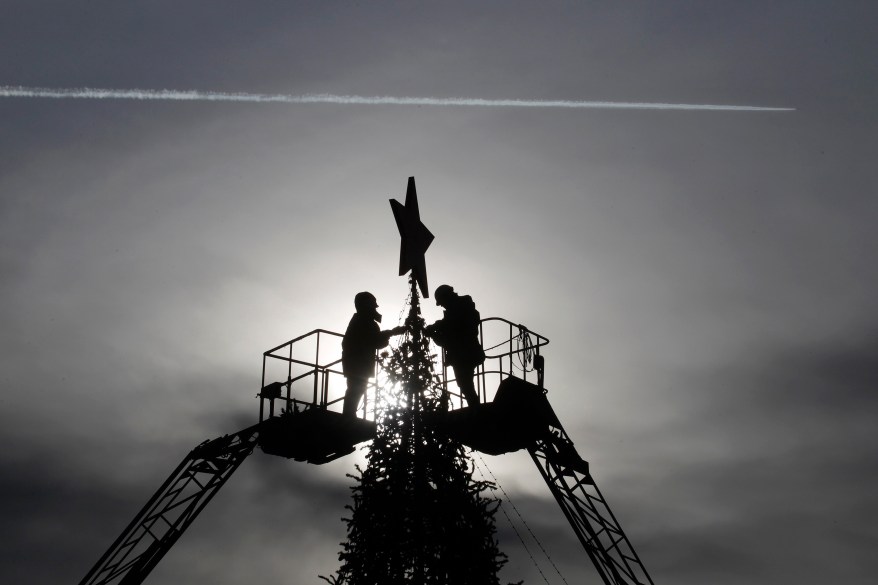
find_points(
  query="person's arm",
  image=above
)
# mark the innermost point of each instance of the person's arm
(435, 332)
(384, 336)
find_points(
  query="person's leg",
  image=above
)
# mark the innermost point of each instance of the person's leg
(464, 376)
(356, 390)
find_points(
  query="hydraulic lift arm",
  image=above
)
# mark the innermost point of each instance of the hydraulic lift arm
(520, 417)
(172, 509)
(569, 480)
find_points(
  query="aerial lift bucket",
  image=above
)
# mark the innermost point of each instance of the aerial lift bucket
(518, 416)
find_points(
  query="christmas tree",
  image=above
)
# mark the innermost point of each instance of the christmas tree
(418, 515)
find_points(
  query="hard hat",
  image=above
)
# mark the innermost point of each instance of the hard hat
(365, 301)
(443, 292)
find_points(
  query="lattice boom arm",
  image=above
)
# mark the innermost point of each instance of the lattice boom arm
(172, 509)
(569, 480)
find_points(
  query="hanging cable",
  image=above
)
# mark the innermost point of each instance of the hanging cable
(511, 523)
(525, 349)
(523, 521)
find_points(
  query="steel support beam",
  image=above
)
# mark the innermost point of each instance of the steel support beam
(171, 510)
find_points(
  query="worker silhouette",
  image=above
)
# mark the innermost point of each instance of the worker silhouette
(458, 333)
(361, 339)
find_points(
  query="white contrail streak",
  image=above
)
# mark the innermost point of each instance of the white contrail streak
(323, 98)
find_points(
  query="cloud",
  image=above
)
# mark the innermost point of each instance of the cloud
(58, 522)
(769, 463)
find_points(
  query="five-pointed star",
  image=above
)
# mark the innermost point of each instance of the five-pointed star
(415, 236)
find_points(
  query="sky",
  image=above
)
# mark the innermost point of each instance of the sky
(707, 279)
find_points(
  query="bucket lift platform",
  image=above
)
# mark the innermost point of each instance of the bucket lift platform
(310, 427)
(314, 435)
(518, 416)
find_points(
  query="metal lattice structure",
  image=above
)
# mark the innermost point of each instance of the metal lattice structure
(172, 509)
(601, 535)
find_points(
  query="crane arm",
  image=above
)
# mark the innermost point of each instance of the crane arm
(520, 417)
(172, 509)
(568, 478)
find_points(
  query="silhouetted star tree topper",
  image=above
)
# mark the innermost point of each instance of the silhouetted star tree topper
(416, 238)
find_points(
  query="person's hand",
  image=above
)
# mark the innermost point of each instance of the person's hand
(398, 330)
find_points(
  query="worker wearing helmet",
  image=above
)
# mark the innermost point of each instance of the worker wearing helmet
(361, 339)
(458, 333)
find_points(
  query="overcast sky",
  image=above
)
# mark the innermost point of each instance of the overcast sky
(707, 279)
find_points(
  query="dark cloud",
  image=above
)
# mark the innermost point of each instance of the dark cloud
(52, 522)
(770, 460)
(57, 522)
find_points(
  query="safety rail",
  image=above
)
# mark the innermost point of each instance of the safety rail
(511, 349)
(306, 372)
(299, 372)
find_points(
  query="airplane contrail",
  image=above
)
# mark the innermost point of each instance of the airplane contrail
(325, 98)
